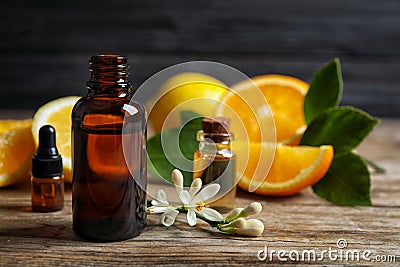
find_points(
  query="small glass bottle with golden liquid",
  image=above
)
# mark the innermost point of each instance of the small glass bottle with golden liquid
(47, 181)
(109, 180)
(215, 161)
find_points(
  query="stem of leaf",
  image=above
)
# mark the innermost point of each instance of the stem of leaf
(375, 166)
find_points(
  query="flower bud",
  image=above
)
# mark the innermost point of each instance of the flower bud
(238, 223)
(233, 214)
(252, 209)
(253, 227)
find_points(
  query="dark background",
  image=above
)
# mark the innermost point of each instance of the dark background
(45, 44)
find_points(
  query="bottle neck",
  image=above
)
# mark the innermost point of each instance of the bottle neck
(211, 146)
(214, 141)
(109, 75)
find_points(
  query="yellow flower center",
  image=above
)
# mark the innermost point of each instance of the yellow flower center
(200, 205)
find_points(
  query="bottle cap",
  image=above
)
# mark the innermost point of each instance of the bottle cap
(216, 129)
(47, 162)
(216, 125)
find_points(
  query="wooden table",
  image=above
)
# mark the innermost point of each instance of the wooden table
(298, 223)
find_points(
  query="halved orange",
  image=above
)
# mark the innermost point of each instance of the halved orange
(285, 98)
(293, 169)
(16, 150)
(57, 113)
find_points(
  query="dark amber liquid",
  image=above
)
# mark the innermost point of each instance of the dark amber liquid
(108, 204)
(47, 193)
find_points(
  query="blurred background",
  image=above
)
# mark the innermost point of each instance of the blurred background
(45, 45)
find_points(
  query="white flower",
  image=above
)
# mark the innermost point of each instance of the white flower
(161, 205)
(194, 201)
(159, 202)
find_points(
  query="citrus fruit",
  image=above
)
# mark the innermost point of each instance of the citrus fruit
(16, 150)
(285, 98)
(57, 113)
(293, 169)
(192, 91)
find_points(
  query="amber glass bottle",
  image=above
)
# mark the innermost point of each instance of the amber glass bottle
(108, 193)
(47, 181)
(215, 161)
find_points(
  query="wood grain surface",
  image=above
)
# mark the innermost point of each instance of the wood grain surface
(45, 45)
(301, 222)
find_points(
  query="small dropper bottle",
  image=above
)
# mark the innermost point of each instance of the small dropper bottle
(215, 161)
(47, 181)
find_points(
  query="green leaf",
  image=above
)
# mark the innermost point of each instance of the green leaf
(159, 154)
(190, 117)
(158, 163)
(342, 127)
(188, 137)
(325, 90)
(347, 182)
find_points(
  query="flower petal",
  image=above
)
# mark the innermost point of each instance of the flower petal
(160, 199)
(191, 217)
(168, 217)
(211, 214)
(177, 179)
(195, 187)
(154, 209)
(206, 193)
(185, 197)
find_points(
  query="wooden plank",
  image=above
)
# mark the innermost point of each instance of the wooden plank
(300, 222)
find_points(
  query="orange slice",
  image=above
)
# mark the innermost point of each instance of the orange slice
(16, 150)
(293, 169)
(57, 113)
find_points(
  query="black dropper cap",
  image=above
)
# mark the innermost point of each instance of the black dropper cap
(47, 162)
